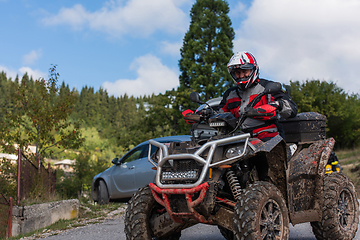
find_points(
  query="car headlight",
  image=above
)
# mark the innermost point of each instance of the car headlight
(234, 151)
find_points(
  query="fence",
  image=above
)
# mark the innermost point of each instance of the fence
(30, 179)
(5, 216)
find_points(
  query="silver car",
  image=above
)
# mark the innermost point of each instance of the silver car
(128, 174)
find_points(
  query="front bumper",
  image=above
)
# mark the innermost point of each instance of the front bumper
(191, 204)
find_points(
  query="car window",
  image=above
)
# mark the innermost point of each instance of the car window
(153, 148)
(133, 155)
(146, 151)
(142, 151)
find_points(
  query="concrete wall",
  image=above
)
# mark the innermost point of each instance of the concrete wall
(29, 218)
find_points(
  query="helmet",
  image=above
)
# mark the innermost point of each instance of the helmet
(243, 60)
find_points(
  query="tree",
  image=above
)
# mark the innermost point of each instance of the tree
(207, 47)
(164, 116)
(40, 117)
(342, 111)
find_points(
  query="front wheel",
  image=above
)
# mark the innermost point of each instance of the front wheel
(142, 207)
(261, 213)
(103, 194)
(340, 209)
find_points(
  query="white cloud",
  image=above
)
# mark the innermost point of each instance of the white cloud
(9, 73)
(172, 49)
(239, 8)
(153, 77)
(75, 17)
(34, 73)
(32, 56)
(136, 17)
(299, 40)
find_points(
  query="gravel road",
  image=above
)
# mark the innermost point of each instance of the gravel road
(113, 228)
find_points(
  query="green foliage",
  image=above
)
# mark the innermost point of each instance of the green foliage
(7, 177)
(207, 47)
(86, 167)
(342, 111)
(38, 115)
(164, 116)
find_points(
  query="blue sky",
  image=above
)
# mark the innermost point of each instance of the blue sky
(133, 46)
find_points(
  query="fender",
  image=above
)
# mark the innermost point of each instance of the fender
(305, 181)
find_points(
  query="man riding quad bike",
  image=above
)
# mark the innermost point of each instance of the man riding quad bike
(250, 188)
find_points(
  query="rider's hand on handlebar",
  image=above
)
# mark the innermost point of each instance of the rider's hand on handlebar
(277, 104)
(264, 112)
(206, 112)
(190, 117)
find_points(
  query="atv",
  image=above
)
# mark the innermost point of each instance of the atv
(249, 188)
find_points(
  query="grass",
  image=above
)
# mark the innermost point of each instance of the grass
(350, 162)
(344, 154)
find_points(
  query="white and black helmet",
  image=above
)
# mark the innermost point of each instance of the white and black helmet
(243, 60)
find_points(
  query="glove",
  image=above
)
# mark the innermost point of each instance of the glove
(277, 104)
(190, 117)
(264, 112)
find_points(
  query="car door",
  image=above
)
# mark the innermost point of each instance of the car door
(124, 173)
(144, 172)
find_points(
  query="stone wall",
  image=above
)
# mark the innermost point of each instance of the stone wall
(29, 218)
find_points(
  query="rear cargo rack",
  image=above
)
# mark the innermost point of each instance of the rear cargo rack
(207, 163)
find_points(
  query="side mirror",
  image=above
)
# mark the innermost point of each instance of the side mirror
(272, 87)
(195, 97)
(115, 161)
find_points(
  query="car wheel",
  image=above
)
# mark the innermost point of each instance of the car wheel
(141, 208)
(261, 213)
(340, 209)
(103, 194)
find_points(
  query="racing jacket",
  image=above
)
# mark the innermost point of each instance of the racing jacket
(235, 100)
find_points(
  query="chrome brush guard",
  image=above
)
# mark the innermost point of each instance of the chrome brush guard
(207, 163)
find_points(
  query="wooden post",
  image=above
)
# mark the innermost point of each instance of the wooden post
(10, 217)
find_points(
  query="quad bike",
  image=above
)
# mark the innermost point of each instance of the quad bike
(249, 188)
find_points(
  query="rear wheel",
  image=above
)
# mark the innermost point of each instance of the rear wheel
(261, 213)
(340, 209)
(142, 207)
(103, 194)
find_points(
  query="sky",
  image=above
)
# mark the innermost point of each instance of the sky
(133, 46)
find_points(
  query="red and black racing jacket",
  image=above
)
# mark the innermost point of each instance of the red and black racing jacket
(235, 100)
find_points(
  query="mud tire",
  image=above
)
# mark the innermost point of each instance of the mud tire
(138, 214)
(340, 209)
(251, 218)
(103, 194)
(126, 221)
(226, 233)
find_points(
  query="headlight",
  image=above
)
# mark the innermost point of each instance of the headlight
(180, 175)
(217, 124)
(234, 151)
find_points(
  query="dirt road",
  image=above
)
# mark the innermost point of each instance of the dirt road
(113, 228)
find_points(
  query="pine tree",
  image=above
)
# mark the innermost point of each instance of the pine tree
(207, 47)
